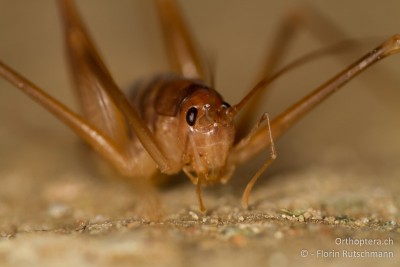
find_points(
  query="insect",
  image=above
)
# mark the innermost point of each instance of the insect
(175, 122)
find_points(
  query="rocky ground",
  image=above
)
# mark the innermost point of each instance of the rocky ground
(75, 218)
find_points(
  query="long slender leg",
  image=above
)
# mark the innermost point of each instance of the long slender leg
(302, 18)
(327, 31)
(91, 74)
(181, 49)
(288, 118)
(95, 138)
(97, 107)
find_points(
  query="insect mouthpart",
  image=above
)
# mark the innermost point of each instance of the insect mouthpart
(209, 145)
(208, 176)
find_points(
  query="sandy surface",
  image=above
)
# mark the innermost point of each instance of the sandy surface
(336, 180)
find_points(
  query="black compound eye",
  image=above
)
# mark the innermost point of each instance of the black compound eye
(225, 105)
(191, 116)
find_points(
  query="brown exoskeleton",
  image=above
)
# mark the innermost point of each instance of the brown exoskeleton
(177, 121)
